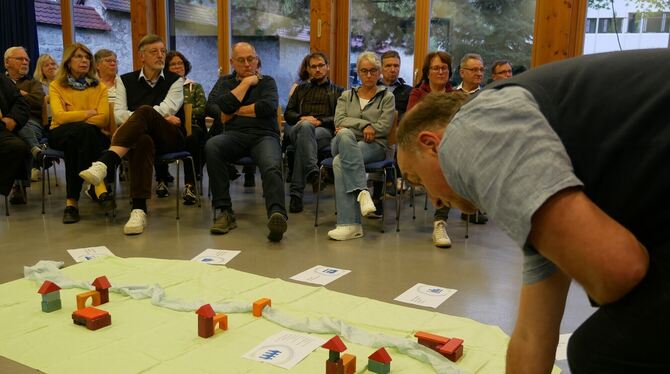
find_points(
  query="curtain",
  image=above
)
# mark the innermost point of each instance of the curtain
(19, 27)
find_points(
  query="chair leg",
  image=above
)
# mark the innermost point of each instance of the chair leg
(383, 198)
(195, 183)
(412, 197)
(398, 198)
(318, 193)
(425, 202)
(177, 186)
(7, 206)
(467, 226)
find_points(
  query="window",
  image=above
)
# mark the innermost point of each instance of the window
(654, 22)
(279, 30)
(380, 26)
(493, 29)
(605, 25)
(195, 36)
(591, 25)
(634, 20)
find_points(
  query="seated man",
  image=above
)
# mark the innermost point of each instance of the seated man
(17, 64)
(248, 103)
(14, 112)
(148, 105)
(310, 112)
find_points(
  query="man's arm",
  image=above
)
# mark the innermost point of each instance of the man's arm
(121, 112)
(292, 113)
(588, 245)
(19, 111)
(212, 109)
(532, 348)
(35, 95)
(173, 100)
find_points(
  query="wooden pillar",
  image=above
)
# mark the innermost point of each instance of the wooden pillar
(142, 23)
(421, 37)
(161, 20)
(224, 35)
(340, 60)
(322, 30)
(67, 22)
(559, 30)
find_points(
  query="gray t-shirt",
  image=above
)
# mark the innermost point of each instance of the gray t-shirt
(500, 153)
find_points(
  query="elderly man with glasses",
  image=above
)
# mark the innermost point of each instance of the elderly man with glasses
(248, 104)
(472, 73)
(149, 105)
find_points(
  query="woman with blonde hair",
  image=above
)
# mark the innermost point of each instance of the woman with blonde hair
(80, 122)
(45, 71)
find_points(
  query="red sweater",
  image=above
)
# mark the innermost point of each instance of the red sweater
(418, 93)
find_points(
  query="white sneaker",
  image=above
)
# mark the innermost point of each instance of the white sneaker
(346, 232)
(366, 203)
(440, 236)
(35, 175)
(136, 223)
(94, 174)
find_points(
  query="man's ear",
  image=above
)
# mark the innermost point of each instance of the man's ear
(429, 141)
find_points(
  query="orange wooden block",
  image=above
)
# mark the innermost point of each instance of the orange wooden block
(222, 321)
(82, 297)
(349, 363)
(259, 305)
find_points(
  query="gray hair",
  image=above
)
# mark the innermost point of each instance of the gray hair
(11, 50)
(102, 53)
(370, 57)
(471, 56)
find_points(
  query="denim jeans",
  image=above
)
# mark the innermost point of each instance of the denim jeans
(32, 133)
(308, 140)
(351, 156)
(233, 145)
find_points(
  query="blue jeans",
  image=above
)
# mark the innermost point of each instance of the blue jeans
(308, 140)
(351, 156)
(31, 133)
(233, 145)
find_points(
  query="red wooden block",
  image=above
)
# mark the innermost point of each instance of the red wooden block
(453, 349)
(205, 327)
(48, 287)
(335, 344)
(381, 355)
(92, 318)
(430, 340)
(334, 367)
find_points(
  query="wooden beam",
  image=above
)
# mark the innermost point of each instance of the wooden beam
(421, 37)
(559, 30)
(340, 61)
(224, 35)
(67, 22)
(161, 20)
(142, 23)
(322, 29)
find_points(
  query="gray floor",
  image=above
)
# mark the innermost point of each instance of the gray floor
(485, 269)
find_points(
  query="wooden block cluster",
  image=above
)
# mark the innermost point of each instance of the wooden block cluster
(208, 320)
(50, 296)
(92, 318)
(451, 348)
(379, 362)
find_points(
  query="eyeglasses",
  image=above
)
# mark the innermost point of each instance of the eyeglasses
(109, 60)
(26, 59)
(372, 71)
(508, 71)
(475, 70)
(318, 66)
(439, 69)
(177, 63)
(248, 60)
(156, 51)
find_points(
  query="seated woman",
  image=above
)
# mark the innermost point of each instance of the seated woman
(106, 65)
(435, 78)
(195, 143)
(363, 119)
(80, 119)
(45, 71)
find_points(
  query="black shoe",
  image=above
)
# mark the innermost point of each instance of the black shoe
(249, 180)
(479, 218)
(188, 195)
(380, 209)
(313, 179)
(106, 201)
(162, 190)
(232, 173)
(18, 195)
(277, 226)
(295, 206)
(71, 214)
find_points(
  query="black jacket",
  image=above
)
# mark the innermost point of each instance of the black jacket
(12, 104)
(294, 107)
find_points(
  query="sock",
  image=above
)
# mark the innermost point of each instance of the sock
(140, 204)
(71, 202)
(111, 160)
(100, 189)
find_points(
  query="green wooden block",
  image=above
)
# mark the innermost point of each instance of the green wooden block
(333, 356)
(50, 306)
(51, 296)
(378, 367)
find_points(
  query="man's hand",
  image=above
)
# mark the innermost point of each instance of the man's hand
(369, 134)
(227, 117)
(311, 119)
(251, 80)
(173, 120)
(10, 124)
